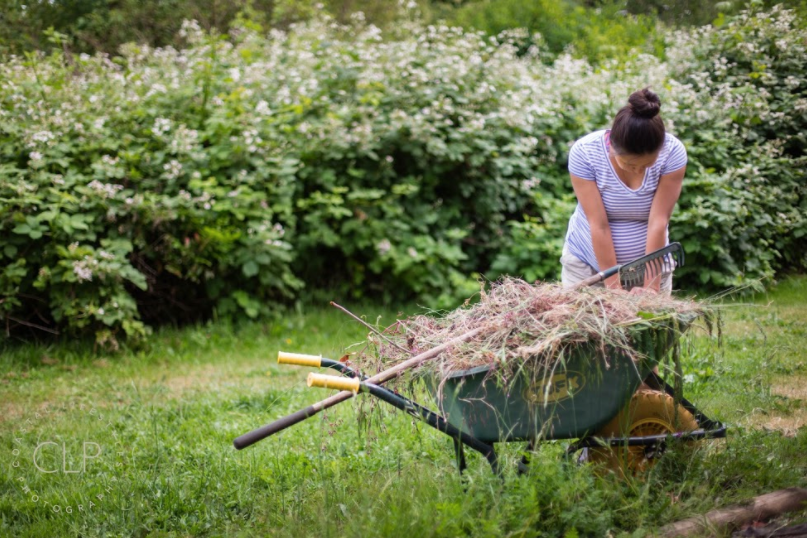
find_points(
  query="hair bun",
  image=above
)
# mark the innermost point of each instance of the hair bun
(645, 103)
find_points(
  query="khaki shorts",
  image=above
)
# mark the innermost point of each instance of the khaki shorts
(573, 270)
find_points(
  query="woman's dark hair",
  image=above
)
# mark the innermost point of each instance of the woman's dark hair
(638, 128)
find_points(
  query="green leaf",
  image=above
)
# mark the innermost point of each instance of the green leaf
(78, 222)
(46, 216)
(250, 268)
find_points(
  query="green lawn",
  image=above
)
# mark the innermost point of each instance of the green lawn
(161, 422)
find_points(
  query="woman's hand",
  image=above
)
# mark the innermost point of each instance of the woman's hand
(613, 282)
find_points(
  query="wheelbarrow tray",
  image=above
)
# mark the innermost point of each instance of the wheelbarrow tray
(583, 392)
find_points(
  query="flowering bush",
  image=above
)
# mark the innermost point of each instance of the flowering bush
(166, 184)
(736, 95)
(745, 213)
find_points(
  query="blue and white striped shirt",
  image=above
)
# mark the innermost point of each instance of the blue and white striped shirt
(628, 210)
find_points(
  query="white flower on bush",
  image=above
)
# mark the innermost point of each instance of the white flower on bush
(262, 108)
(35, 157)
(383, 246)
(82, 270)
(41, 137)
(172, 169)
(191, 31)
(156, 88)
(530, 184)
(184, 140)
(106, 190)
(161, 126)
(412, 252)
(251, 139)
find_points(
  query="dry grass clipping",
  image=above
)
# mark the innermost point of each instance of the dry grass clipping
(527, 323)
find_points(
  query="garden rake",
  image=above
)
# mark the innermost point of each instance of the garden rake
(642, 270)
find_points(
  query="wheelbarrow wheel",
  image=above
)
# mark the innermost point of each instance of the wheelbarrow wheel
(650, 412)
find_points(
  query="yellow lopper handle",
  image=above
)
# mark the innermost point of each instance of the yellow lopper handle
(334, 382)
(299, 359)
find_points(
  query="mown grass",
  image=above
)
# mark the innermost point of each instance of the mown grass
(170, 412)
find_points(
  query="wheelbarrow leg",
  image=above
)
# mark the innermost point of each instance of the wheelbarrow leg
(494, 462)
(459, 453)
(435, 421)
(524, 463)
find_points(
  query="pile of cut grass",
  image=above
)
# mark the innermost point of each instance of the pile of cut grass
(537, 323)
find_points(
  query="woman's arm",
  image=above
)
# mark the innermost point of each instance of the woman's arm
(667, 193)
(589, 197)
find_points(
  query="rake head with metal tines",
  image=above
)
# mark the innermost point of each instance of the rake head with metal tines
(655, 264)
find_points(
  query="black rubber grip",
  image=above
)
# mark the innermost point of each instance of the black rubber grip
(611, 271)
(270, 429)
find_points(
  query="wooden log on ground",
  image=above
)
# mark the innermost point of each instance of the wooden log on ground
(762, 507)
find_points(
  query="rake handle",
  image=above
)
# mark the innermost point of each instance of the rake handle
(599, 277)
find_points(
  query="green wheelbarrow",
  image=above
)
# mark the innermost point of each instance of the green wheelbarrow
(619, 411)
(616, 409)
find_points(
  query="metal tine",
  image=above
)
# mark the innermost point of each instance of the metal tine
(666, 262)
(650, 264)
